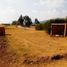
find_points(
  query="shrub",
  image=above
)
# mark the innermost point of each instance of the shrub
(47, 26)
(39, 27)
(44, 26)
(14, 22)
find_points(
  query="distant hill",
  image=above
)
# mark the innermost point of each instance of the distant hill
(44, 21)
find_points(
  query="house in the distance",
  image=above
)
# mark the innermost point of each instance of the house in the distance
(59, 28)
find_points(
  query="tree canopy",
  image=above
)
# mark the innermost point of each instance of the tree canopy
(14, 22)
(36, 21)
(27, 21)
(24, 21)
(20, 21)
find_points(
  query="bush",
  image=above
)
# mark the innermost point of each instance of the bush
(39, 27)
(47, 26)
(44, 26)
(14, 22)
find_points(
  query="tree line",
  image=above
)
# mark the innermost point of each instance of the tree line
(46, 25)
(25, 21)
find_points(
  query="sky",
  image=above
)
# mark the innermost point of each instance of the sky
(11, 10)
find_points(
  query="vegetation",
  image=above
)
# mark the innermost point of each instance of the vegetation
(14, 22)
(27, 21)
(44, 26)
(36, 21)
(47, 25)
(20, 21)
(39, 26)
(23, 21)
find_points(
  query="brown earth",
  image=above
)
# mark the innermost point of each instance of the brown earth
(24, 47)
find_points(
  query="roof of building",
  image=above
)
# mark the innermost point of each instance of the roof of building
(58, 21)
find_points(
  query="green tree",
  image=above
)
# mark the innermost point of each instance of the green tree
(20, 21)
(36, 21)
(59, 20)
(14, 22)
(27, 21)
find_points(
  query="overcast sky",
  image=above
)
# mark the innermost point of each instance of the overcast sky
(42, 9)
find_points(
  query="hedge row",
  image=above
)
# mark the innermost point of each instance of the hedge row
(44, 26)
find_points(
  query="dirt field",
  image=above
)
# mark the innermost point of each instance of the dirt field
(30, 48)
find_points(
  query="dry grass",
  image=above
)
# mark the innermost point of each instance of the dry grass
(28, 43)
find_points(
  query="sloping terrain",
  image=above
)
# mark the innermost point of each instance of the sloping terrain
(29, 48)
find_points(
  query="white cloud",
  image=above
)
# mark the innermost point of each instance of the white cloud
(7, 14)
(50, 3)
(41, 9)
(50, 9)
